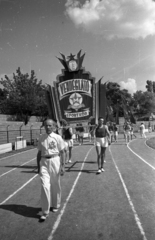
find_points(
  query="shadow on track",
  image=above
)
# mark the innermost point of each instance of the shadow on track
(87, 162)
(18, 166)
(34, 168)
(72, 169)
(23, 210)
(83, 171)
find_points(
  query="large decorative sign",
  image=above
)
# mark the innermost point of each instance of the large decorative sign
(74, 90)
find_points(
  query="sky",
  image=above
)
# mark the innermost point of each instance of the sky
(118, 38)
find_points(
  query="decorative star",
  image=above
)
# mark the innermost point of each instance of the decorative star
(52, 145)
(75, 99)
(71, 57)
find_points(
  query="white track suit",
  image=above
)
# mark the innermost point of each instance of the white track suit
(50, 145)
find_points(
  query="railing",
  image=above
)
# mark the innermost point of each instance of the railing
(8, 134)
(30, 134)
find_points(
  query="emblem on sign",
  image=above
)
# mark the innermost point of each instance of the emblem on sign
(76, 101)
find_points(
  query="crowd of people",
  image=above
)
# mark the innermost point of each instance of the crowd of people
(55, 151)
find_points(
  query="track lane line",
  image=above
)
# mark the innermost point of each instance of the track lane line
(10, 196)
(18, 189)
(16, 167)
(137, 219)
(17, 154)
(57, 222)
(141, 158)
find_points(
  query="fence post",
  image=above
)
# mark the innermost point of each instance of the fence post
(20, 129)
(40, 129)
(31, 133)
(8, 133)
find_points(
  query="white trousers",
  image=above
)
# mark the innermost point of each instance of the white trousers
(50, 183)
(142, 133)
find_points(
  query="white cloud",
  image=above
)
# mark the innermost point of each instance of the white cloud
(113, 18)
(130, 85)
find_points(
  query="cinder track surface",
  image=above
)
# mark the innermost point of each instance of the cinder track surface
(117, 204)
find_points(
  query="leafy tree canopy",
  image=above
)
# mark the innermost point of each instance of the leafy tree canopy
(25, 96)
(150, 86)
(115, 96)
(144, 103)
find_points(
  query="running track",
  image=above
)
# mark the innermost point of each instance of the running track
(117, 204)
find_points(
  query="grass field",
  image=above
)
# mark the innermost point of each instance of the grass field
(151, 142)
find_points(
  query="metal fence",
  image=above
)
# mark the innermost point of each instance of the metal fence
(10, 133)
(30, 134)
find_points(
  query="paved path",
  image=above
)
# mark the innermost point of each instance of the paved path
(117, 204)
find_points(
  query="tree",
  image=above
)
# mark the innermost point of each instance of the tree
(3, 96)
(25, 96)
(149, 86)
(115, 96)
(144, 103)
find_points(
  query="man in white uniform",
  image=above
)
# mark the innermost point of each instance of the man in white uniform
(142, 130)
(51, 163)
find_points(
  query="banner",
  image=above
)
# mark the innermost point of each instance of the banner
(74, 90)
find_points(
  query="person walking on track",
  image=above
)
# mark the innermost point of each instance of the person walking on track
(142, 130)
(102, 135)
(81, 133)
(90, 132)
(77, 132)
(111, 130)
(51, 162)
(127, 129)
(67, 133)
(132, 132)
(115, 132)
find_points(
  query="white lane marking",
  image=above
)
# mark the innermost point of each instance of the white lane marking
(20, 166)
(56, 224)
(16, 154)
(138, 222)
(18, 189)
(17, 167)
(141, 158)
(22, 152)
